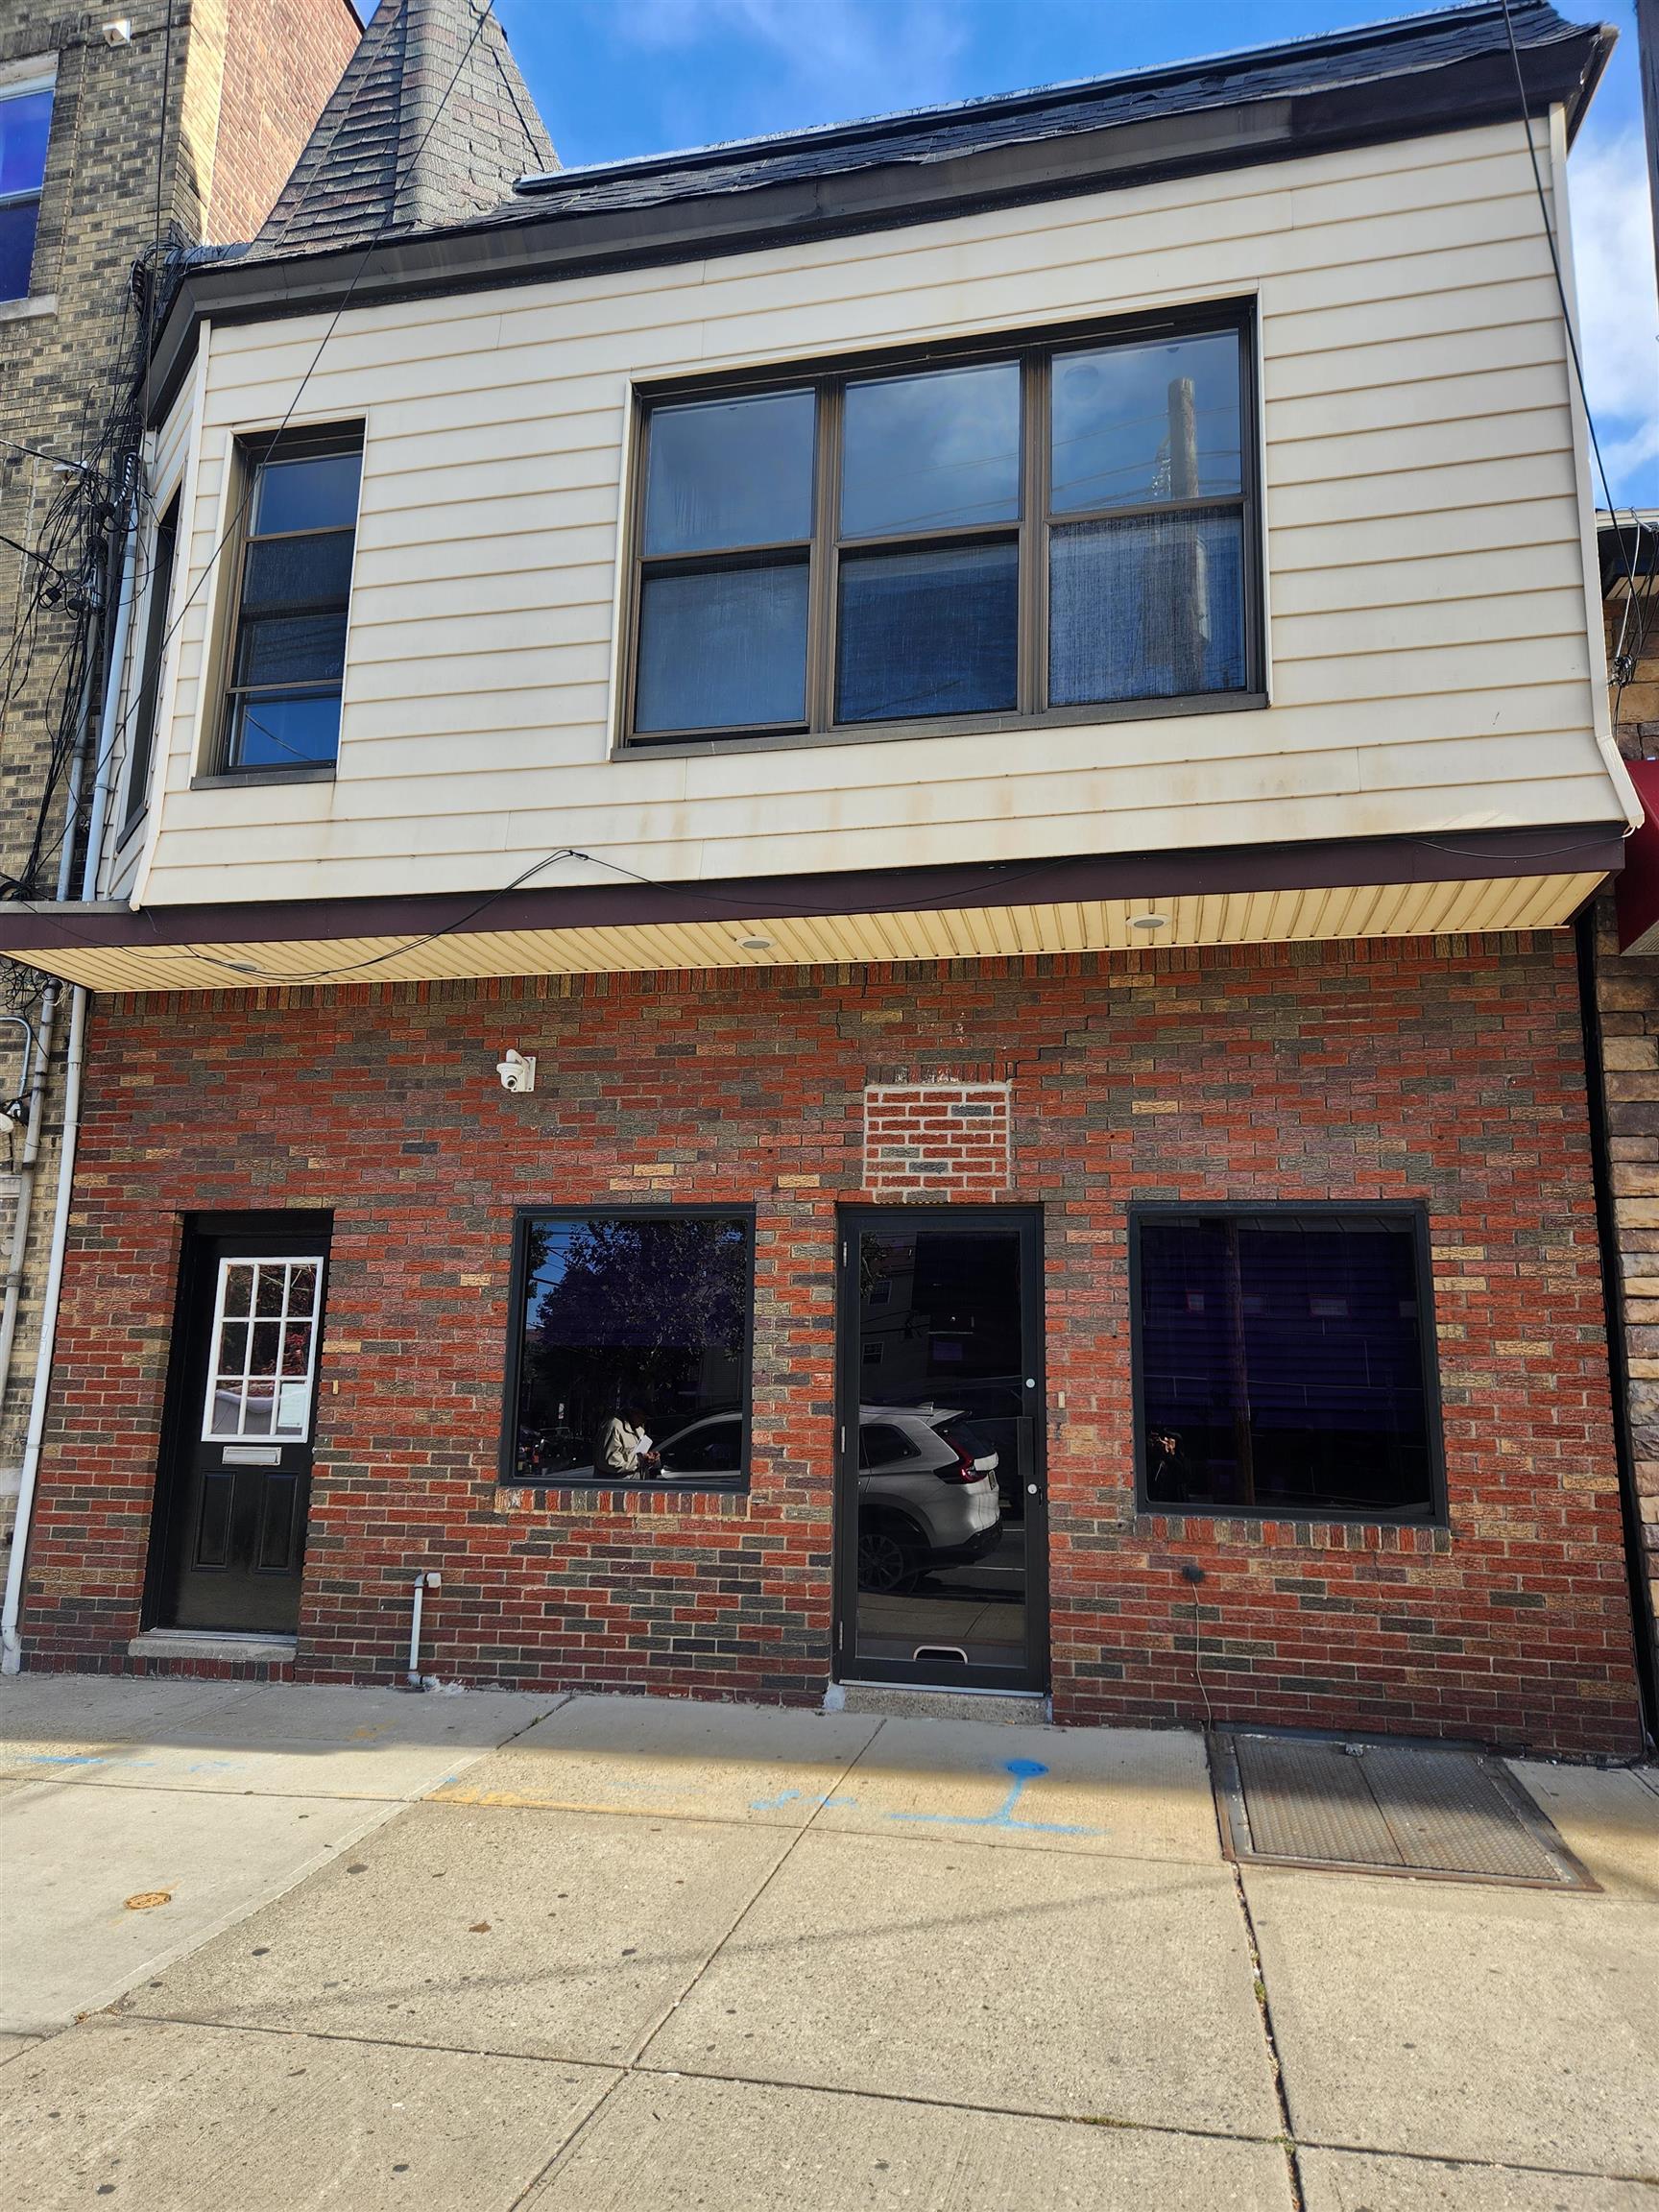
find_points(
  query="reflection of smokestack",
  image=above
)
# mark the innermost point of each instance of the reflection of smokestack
(1186, 571)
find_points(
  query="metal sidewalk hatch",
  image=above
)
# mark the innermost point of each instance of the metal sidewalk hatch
(1379, 1808)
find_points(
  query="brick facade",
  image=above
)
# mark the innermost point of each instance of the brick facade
(1446, 1070)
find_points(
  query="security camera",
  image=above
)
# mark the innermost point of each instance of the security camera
(517, 1072)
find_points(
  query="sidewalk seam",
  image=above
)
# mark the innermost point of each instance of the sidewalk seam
(1265, 2010)
(631, 2065)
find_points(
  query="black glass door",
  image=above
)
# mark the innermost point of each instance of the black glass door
(941, 1550)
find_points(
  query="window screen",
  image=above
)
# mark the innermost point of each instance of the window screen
(1281, 1364)
(632, 1336)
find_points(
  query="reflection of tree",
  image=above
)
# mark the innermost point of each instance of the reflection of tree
(636, 1307)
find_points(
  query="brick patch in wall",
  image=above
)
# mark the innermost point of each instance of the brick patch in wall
(937, 1139)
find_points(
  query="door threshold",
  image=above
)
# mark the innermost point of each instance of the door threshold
(919, 1702)
(248, 1645)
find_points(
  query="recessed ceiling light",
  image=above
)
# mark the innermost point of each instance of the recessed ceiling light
(755, 944)
(1148, 920)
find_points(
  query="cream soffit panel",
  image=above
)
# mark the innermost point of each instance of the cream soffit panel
(1097, 925)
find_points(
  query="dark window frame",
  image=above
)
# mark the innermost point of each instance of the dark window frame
(828, 376)
(1334, 1211)
(252, 451)
(507, 1474)
(35, 196)
(141, 758)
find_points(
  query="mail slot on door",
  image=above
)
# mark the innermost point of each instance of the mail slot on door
(251, 1456)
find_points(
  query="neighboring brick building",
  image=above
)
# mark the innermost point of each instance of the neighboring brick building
(1625, 985)
(854, 958)
(120, 142)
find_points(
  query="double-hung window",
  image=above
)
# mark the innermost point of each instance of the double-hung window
(25, 127)
(287, 655)
(1057, 529)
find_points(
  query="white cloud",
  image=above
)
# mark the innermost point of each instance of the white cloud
(851, 57)
(1618, 312)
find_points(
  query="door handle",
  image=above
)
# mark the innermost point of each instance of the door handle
(1025, 1454)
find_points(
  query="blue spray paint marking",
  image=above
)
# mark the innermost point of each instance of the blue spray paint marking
(1023, 1771)
(796, 1797)
(59, 1759)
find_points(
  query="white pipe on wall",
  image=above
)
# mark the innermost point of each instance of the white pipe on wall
(18, 1253)
(423, 1584)
(10, 1645)
(10, 1610)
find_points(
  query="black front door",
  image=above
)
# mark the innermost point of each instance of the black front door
(941, 1531)
(236, 1472)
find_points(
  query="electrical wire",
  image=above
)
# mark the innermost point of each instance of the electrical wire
(119, 731)
(1561, 289)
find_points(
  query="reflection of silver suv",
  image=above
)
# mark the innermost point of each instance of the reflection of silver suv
(928, 1493)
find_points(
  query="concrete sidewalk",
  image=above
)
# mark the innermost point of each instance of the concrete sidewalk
(503, 1952)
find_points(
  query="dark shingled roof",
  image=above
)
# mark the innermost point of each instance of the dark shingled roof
(363, 219)
(429, 126)
(1329, 63)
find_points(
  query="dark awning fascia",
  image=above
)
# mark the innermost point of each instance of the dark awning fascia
(1568, 849)
(562, 245)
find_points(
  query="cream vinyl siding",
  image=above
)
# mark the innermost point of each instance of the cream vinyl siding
(1430, 647)
(164, 476)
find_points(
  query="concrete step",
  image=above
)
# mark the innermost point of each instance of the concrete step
(897, 1701)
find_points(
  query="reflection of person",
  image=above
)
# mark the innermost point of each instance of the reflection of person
(1167, 1471)
(624, 1447)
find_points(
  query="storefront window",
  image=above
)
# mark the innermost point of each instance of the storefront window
(1282, 1364)
(631, 1349)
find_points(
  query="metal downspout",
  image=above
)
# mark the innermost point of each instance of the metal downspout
(10, 1645)
(17, 1255)
(1641, 1625)
(102, 776)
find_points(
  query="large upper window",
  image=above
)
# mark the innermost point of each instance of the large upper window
(25, 126)
(1062, 529)
(288, 655)
(630, 1349)
(1283, 1364)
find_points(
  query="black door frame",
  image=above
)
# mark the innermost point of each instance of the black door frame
(850, 1222)
(196, 1233)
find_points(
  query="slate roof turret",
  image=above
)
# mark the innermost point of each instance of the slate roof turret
(431, 124)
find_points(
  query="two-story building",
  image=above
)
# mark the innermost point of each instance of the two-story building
(843, 951)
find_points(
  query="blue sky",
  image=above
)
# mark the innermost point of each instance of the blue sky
(620, 76)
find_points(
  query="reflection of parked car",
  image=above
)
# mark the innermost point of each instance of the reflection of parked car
(926, 1495)
(712, 1448)
(991, 1409)
(926, 1492)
